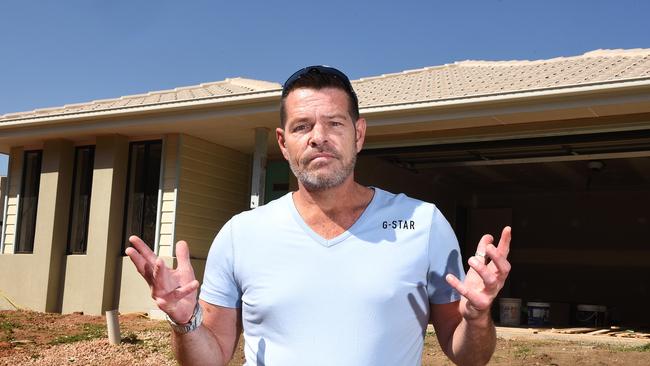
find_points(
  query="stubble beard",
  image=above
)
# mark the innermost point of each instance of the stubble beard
(313, 181)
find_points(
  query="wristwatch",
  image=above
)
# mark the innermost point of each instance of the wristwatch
(195, 321)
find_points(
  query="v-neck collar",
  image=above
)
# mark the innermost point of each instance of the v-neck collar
(339, 238)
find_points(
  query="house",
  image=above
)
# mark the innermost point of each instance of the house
(559, 149)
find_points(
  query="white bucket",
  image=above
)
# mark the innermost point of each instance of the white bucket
(538, 313)
(509, 311)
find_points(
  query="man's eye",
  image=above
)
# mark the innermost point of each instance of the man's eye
(299, 128)
(335, 123)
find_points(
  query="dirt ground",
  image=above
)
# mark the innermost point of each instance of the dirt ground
(32, 338)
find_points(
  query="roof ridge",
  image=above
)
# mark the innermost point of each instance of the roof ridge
(253, 83)
(405, 72)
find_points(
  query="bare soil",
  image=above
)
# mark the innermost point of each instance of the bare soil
(32, 338)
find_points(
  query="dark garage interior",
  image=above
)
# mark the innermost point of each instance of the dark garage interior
(578, 206)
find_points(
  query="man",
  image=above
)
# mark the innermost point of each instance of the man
(323, 275)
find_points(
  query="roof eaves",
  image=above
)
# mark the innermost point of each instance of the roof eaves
(519, 94)
(160, 106)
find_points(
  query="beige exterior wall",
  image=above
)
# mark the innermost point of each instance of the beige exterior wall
(214, 185)
(134, 292)
(39, 273)
(90, 279)
(14, 177)
(169, 186)
(203, 185)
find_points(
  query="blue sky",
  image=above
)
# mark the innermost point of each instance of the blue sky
(60, 52)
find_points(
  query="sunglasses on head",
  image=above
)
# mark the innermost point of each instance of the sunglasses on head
(325, 70)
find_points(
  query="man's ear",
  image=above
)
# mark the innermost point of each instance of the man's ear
(360, 133)
(279, 135)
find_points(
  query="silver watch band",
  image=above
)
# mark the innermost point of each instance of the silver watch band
(195, 321)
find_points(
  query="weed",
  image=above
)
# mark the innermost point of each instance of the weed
(8, 325)
(642, 348)
(7, 329)
(89, 331)
(628, 348)
(522, 351)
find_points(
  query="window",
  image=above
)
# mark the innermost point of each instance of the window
(142, 191)
(82, 182)
(28, 201)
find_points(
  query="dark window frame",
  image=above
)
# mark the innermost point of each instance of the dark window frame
(147, 145)
(73, 197)
(27, 248)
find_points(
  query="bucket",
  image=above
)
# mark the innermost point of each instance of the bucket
(538, 313)
(591, 315)
(509, 311)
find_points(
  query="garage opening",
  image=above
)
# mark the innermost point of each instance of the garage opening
(578, 206)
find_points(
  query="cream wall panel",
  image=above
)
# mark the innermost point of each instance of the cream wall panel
(167, 218)
(169, 196)
(135, 295)
(165, 251)
(231, 168)
(91, 280)
(168, 206)
(197, 146)
(211, 212)
(222, 182)
(166, 228)
(213, 186)
(168, 199)
(28, 290)
(13, 190)
(11, 220)
(215, 191)
(166, 239)
(11, 210)
(205, 200)
(52, 213)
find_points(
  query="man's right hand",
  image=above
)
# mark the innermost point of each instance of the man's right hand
(174, 290)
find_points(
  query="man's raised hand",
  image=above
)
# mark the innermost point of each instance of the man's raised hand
(483, 280)
(174, 290)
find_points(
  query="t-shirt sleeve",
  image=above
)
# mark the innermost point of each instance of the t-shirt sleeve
(444, 258)
(219, 284)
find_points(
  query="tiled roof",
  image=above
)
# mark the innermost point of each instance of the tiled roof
(228, 87)
(468, 79)
(464, 79)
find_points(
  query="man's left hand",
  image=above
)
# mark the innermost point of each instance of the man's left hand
(488, 272)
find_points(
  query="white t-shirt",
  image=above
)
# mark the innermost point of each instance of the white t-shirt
(361, 298)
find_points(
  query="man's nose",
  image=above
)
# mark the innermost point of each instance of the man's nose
(318, 135)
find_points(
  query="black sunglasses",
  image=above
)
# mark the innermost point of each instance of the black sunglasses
(326, 70)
